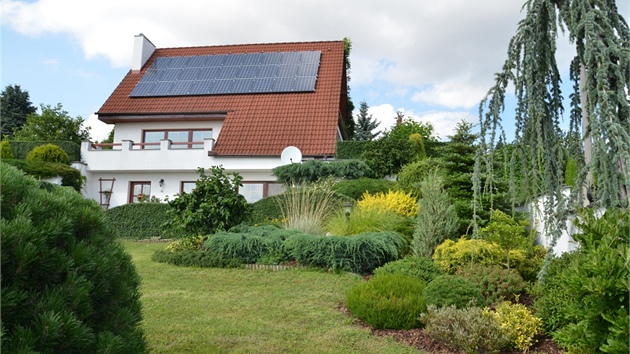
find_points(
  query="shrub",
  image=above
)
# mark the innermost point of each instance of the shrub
(507, 233)
(419, 267)
(396, 201)
(22, 148)
(70, 177)
(265, 211)
(5, 150)
(518, 323)
(473, 330)
(306, 208)
(552, 297)
(351, 149)
(410, 175)
(361, 253)
(252, 244)
(446, 290)
(370, 220)
(48, 153)
(140, 221)
(355, 188)
(195, 258)
(189, 243)
(497, 284)
(214, 204)
(437, 218)
(67, 285)
(314, 170)
(391, 301)
(597, 282)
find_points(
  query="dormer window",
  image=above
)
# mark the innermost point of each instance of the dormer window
(180, 139)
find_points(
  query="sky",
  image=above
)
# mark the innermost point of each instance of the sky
(432, 60)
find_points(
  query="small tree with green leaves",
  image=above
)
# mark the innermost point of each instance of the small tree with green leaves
(214, 204)
(507, 233)
(53, 124)
(437, 219)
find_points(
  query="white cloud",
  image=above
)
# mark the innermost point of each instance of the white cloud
(451, 94)
(99, 130)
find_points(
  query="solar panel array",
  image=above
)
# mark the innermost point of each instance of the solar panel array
(230, 74)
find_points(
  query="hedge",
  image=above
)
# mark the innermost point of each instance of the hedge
(138, 220)
(70, 176)
(21, 149)
(355, 188)
(314, 170)
(351, 149)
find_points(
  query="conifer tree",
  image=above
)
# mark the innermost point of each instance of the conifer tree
(365, 124)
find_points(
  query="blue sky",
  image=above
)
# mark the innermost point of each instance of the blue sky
(433, 61)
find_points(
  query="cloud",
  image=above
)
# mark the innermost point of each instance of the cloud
(99, 130)
(451, 94)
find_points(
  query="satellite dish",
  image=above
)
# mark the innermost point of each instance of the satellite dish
(290, 155)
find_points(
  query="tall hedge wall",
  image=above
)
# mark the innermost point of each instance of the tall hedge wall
(351, 149)
(138, 220)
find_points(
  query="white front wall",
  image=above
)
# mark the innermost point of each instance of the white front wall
(128, 163)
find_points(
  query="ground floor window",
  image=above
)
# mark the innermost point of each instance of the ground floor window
(187, 186)
(139, 191)
(255, 191)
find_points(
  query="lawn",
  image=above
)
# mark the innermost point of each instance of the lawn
(208, 310)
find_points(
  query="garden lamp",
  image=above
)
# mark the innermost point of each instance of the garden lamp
(347, 207)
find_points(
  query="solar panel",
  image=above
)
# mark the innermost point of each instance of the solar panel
(230, 74)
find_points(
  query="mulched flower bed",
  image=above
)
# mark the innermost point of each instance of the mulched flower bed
(418, 339)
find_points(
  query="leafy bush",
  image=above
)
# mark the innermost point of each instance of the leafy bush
(314, 170)
(265, 211)
(596, 281)
(396, 201)
(67, 285)
(388, 301)
(507, 233)
(48, 153)
(5, 150)
(446, 290)
(195, 258)
(473, 330)
(214, 204)
(22, 148)
(355, 188)
(306, 207)
(361, 253)
(70, 176)
(189, 243)
(140, 221)
(370, 220)
(497, 284)
(518, 323)
(410, 175)
(552, 297)
(351, 149)
(419, 267)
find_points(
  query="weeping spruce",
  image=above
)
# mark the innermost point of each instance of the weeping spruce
(599, 112)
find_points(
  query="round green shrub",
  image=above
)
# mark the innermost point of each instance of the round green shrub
(67, 285)
(392, 301)
(5, 150)
(446, 290)
(497, 284)
(139, 221)
(266, 211)
(357, 187)
(419, 267)
(48, 153)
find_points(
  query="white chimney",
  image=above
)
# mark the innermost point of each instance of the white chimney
(142, 50)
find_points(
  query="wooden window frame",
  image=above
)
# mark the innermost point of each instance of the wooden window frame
(132, 184)
(189, 144)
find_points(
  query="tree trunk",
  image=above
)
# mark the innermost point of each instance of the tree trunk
(586, 136)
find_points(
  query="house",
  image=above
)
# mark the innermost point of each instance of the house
(238, 106)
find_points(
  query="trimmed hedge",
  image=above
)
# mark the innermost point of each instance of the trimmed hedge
(351, 149)
(314, 170)
(195, 258)
(70, 176)
(356, 187)
(139, 221)
(359, 254)
(21, 149)
(48, 153)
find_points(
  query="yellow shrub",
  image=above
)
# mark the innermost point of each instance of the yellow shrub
(518, 323)
(397, 201)
(451, 256)
(184, 244)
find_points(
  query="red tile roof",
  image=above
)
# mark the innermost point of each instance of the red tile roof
(255, 124)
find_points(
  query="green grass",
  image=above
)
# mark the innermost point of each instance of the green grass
(201, 310)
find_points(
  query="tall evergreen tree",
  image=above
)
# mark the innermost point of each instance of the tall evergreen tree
(600, 108)
(365, 124)
(15, 106)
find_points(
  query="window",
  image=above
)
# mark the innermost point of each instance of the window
(181, 139)
(142, 189)
(255, 191)
(187, 187)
